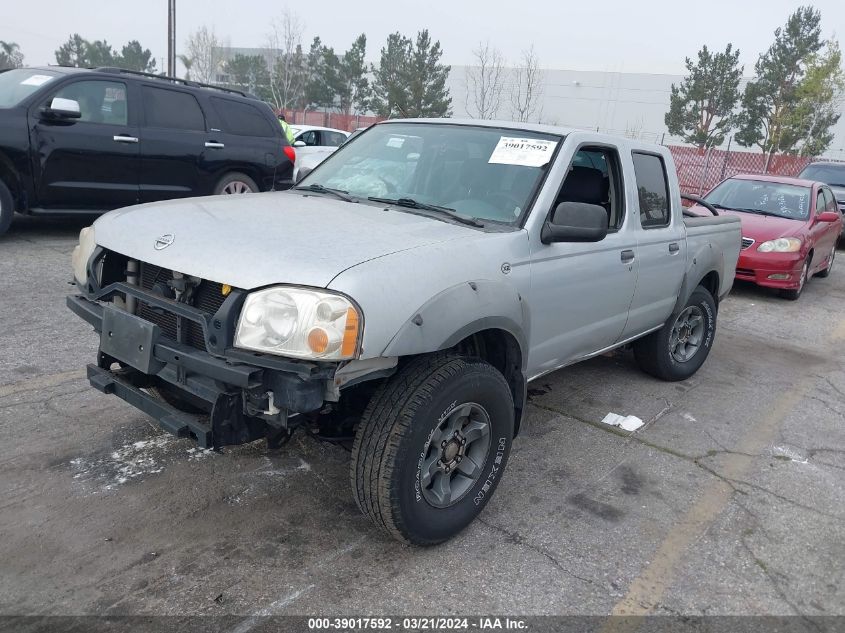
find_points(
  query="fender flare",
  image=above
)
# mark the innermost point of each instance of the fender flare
(458, 312)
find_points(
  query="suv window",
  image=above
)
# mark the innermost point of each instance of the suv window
(172, 109)
(242, 119)
(595, 178)
(652, 189)
(828, 174)
(99, 101)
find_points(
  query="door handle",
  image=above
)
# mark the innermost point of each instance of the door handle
(120, 138)
(627, 256)
(214, 145)
(674, 248)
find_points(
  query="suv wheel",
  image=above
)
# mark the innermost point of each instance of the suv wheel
(678, 349)
(7, 208)
(431, 447)
(235, 183)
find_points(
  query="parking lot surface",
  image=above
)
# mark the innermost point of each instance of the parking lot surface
(730, 500)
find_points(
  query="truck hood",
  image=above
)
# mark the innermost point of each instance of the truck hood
(255, 240)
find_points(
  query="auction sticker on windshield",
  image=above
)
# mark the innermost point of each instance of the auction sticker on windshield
(36, 80)
(528, 152)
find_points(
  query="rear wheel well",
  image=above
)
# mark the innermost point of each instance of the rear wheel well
(502, 350)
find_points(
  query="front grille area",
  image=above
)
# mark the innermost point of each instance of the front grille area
(208, 297)
(747, 242)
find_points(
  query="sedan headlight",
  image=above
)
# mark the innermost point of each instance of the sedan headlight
(781, 245)
(81, 254)
(299, 322)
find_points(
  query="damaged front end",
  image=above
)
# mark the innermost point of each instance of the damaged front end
(162, 332)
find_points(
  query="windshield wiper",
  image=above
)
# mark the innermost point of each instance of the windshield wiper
(410, 203)
(318, 188)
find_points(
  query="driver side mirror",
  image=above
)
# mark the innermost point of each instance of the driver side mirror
(575, 222)
(828, 216)
(299, 144)
(303, 171)
(62, 109)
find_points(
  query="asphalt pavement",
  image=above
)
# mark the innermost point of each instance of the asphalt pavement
(730, 500)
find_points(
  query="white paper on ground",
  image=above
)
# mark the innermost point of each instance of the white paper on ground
(627, 423)
(528, 152)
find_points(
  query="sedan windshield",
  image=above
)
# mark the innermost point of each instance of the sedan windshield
(760, 196)
(488, 174)
(16, 85)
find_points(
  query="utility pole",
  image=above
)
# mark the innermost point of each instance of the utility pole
(171, 38)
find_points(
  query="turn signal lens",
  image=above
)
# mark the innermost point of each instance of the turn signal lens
(290, 153)
(318, 340)
(350, 333)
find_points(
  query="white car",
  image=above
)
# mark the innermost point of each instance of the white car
(316, 143)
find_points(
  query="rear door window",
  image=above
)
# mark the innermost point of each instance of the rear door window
(242, 119)
(172, 109)
(333, 139)
(652, 190)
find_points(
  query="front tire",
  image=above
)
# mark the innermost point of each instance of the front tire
(793, 294)
(7, 208)
(431, 447)
(678, 349)
(830, 259)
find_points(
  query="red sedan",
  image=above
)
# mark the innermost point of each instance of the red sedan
(790, 228)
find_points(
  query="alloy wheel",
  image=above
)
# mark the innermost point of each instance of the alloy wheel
(687, 334)
(456, 453)
(237, 186)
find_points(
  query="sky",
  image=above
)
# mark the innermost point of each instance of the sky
(650, 36)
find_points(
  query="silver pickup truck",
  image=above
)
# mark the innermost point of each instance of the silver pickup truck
(403, 294)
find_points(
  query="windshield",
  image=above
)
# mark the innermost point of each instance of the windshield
(16, 85)
(769, 198)
(828, 174)
(484, 173)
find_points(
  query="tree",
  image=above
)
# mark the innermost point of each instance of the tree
(322, 68)
(204, 52)
(100, 53)
(187, 62)
(73, 52)
(389, 97)
(249, 72)
(527, 88)
(10, 55)
(701, 108)
(775, 116)
(410, 81)
(352, 83)
(485, 82)
(807, 129)
(287, 61)
(133, 56)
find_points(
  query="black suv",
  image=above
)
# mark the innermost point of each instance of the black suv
(76, 140)
(831, 174)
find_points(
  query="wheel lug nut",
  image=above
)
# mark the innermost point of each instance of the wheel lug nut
(447, 469)
(443, 444)
(463, 442)
(458, 459)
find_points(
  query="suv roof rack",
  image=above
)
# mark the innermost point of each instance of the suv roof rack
(185, 82)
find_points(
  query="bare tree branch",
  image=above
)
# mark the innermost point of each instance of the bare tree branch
(204, 52)
(284, 44)
(485, 82)
(527, 91)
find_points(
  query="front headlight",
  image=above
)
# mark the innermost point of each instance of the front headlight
(299, 322)
(781, 245)
(81, 254)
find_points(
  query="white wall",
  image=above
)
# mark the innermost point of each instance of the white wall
(618, 103)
